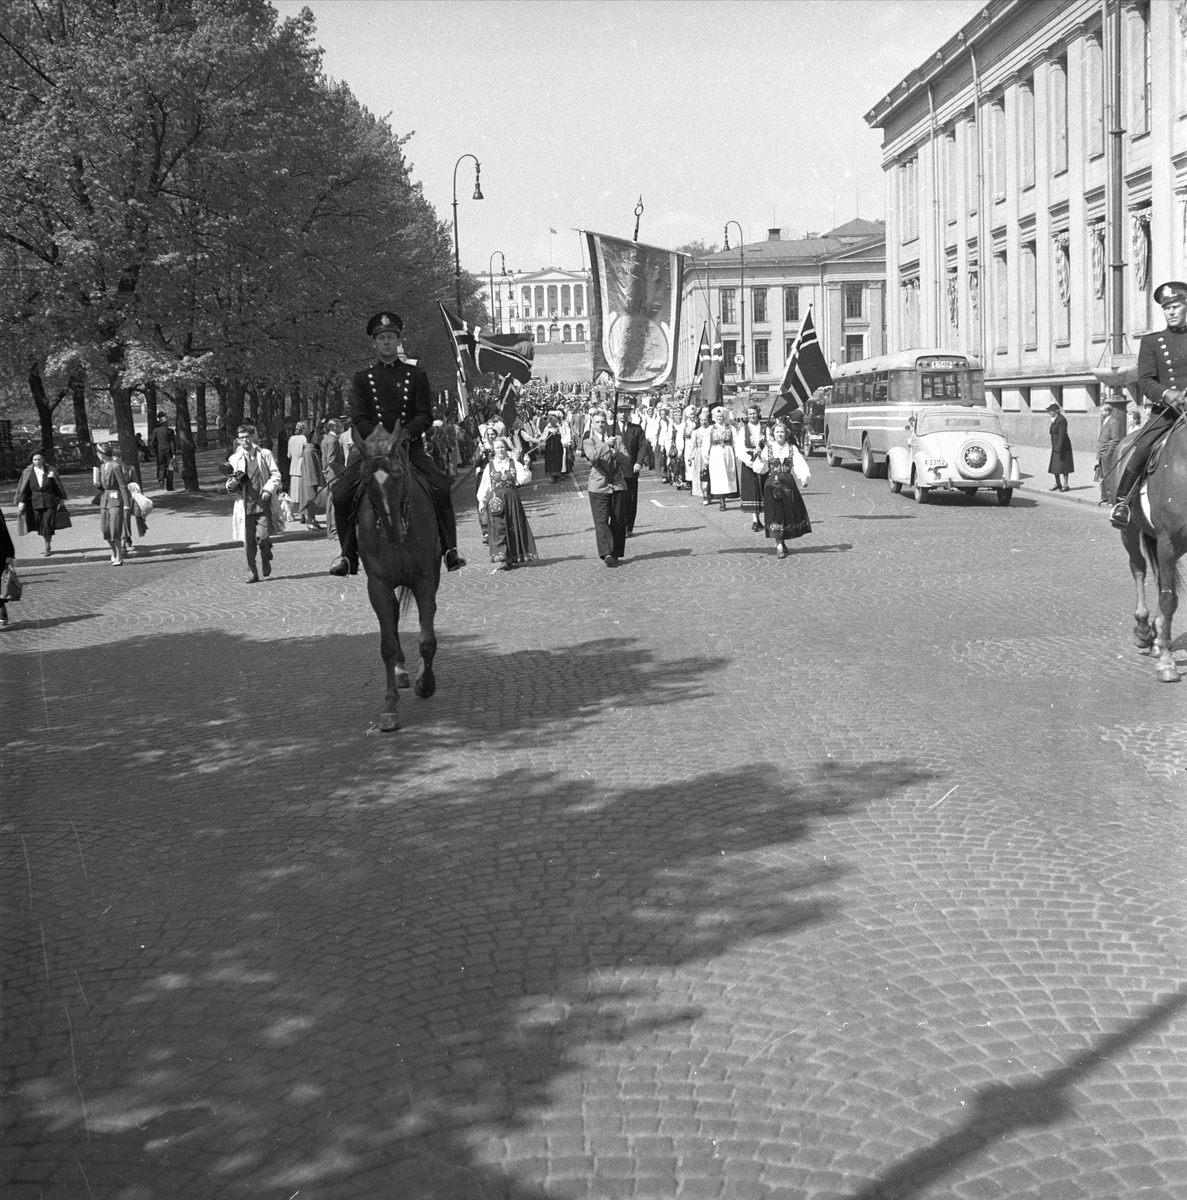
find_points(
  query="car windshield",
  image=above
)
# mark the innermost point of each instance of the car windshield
(943, 422)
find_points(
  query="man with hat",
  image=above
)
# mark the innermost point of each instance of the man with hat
(393, 388)
(1162, 377)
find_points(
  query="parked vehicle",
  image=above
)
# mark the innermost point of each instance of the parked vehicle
(954, 449)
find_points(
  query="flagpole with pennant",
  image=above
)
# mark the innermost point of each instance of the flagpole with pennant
(805, 372)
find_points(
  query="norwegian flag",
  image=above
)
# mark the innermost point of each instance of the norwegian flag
(713, 374)
(806, 370)
(508, 393)
(702, 354)
(481, 353)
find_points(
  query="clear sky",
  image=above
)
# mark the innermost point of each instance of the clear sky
(748, 111)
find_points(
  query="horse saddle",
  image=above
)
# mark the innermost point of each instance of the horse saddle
(1115, 468)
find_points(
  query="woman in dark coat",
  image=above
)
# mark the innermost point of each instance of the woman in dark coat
(1061, 464)
(39, 495)
(310, 483)
(554, 448)
(7, 559)
(115, 504)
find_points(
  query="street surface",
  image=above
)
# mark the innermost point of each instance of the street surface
(858, 875)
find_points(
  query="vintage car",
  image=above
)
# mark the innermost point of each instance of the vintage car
(954, 449)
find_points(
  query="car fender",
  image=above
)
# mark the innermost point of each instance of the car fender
(898, 464)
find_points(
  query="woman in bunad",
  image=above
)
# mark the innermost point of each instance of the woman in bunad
(554, 448)
(115, 504)
(752, 437)
(676, 449)
(722, 460)
(511, 538)
(786, 472)
(696, 455)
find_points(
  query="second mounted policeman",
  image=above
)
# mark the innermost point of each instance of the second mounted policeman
(393, 389)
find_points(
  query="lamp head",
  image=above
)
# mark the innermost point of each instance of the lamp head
(478, 180)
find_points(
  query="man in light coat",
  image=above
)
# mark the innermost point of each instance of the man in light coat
(255, 482)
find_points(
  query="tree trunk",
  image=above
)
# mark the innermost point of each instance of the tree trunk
(200, 413)
(338, 397)
(298, 402)
(125, 427)
(253, 396)
(45, 413)
(235, 409)
(150, 404)
(86, 445)
(185, 439)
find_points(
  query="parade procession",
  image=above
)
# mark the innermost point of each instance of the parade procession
(588, 600)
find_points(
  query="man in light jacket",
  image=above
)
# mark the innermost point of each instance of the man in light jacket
(255, 481)
(608, 465)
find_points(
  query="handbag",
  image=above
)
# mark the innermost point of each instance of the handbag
(62, 518)
(143, 504)
(10, 585)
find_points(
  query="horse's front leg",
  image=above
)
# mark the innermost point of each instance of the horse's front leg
(426, 611)
(1143, 632)
(380, 595)
(1168, 601)
(403, 680)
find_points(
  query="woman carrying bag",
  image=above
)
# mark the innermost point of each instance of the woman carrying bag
(41, 501)
(786, 472)
(115, 503)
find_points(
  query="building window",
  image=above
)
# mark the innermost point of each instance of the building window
(853, 301)
(997, 148)
(552, 299)
(759, 296)
(540, 335)
(567, 333)
(728, 312)
(526, 295)
(1026, 133)
(581, 333)
(762, 362)
(565, 303)
(1139, 69)
(1001, 304)
(909, 199)
(855, 347)
(1030, 297)
(729, 348)
(578, 300)
(539, 302)
(1058, 117)
(787, 345)
(791, 304)
(1094, 82)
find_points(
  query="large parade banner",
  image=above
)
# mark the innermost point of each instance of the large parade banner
(635, 314)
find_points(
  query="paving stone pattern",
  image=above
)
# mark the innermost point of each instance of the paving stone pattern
(858, 875)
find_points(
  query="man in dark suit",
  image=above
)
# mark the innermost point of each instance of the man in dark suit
(1162, 378)
(636, 447)
(164, 447)
(606, 488)
(394, 388)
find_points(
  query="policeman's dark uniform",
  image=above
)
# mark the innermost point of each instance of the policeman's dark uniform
(1162, 366)
(383, 394)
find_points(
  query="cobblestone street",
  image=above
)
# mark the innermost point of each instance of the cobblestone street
(857, 875)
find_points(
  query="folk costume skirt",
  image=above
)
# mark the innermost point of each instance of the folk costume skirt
(554, 455)
(723, 473)
(510, 534)
(783, 506)
(752, 489)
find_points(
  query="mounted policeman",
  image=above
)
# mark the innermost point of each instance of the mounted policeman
(393, 389)
(1162, 379)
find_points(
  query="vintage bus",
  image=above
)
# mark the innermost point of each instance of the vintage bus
(872, 400)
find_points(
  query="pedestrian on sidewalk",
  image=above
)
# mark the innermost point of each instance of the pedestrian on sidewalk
(308, 491)
(1061, 463)
(7, 559)
(39, 498)
(292, 451)
(606, 487)
(255, 482)
(115, 503)
(1112, 430)
(333, 463)
(164, 446)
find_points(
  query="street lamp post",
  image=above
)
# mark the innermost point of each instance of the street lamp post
(741, 294)
(490, 274)
(457, 263)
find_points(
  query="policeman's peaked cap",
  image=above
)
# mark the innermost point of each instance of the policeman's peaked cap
(385, 322)
(1164, 293)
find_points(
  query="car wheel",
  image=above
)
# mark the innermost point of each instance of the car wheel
(895, 484)
(1004, 496)
(921, 494)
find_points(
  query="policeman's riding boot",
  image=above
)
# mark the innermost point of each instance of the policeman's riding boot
(1119, 517)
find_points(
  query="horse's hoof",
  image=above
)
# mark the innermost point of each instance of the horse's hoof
(403, 679)
(389, 723)
(426, 686)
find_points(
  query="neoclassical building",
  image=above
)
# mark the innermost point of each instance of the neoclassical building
(552, 305)
(759, 297)
(1007, 183)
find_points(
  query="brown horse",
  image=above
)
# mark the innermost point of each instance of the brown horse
(400, 549)
(1157, 531)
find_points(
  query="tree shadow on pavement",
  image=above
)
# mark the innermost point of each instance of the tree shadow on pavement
(252, 961)
(1001, 1110)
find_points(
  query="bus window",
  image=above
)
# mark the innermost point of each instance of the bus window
(904, 388)
(942, 387)
(867, 389)
(881, 381)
